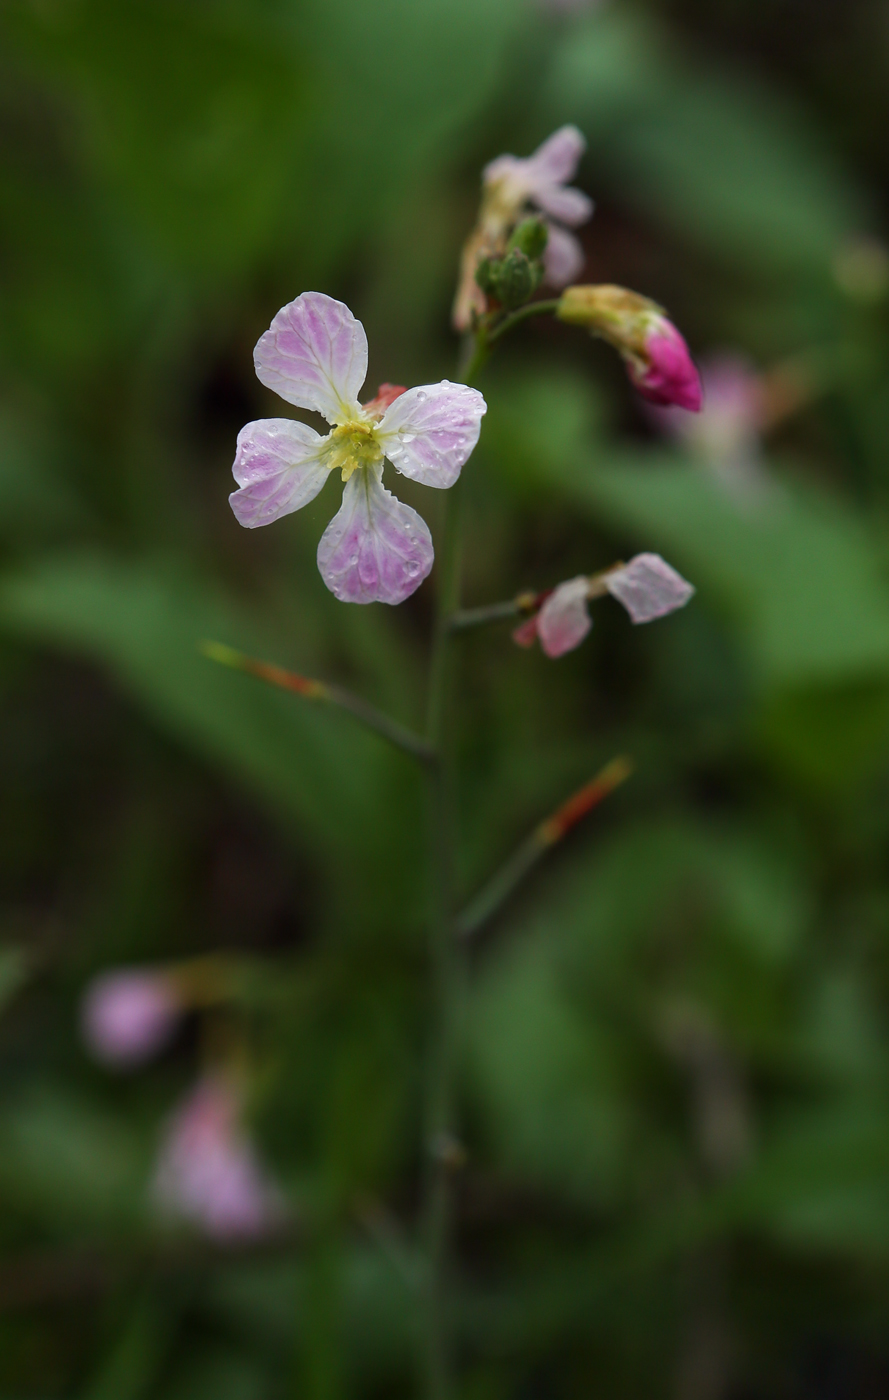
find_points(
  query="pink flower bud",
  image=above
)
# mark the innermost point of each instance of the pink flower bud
(656, 356)
(208, 1172)
(668, 374)
(129, 1015)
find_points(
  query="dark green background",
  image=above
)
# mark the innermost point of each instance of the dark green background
(705, 962)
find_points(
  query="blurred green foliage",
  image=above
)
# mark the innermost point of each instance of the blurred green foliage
(677, 1061)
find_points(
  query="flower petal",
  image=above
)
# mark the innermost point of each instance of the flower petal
(314, 355)
(648, 587)
(564, 619)
(278, 469)
(556, 160)
(428, 433)
(375, 549)
(563, 257)
(569, 205)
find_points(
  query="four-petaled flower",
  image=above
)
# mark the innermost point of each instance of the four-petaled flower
(376, 549)
(511, 186)
(647, 587)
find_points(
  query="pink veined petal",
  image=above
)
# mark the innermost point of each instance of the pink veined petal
(314, 355)
(557, 158)
(648, 587)
(563, 257)
(569, 205)
(375, 549)
(429, 432)
(278, 469)
(564, 619)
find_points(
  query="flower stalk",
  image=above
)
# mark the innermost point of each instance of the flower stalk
(492, 896)
(397, 734)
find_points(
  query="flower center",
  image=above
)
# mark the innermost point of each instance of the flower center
(353, 445)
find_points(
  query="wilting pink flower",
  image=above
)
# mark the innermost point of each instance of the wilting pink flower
(208, 1171)
(647, 587)
(129, 1015)
(513, 187)
(376, 549)
(657, 358)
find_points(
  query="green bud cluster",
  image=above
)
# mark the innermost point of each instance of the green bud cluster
(514, 278)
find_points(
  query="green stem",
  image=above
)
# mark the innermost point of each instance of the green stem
(397, 734)
(534, 308)
(493, 895)
(448, 978)
(465, 618)
(448, 954)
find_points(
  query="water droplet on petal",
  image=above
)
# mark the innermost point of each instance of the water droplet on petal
(413, 568)
(421, 396)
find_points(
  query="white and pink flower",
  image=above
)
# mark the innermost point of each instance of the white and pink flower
(647, 587)
(208, 1172)
(376, 549)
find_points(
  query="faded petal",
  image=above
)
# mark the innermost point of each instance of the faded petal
(648, 587)
(428, 433)
(564, 619)
(129, 1015)
(568, 205)
(556, 160)
(278, 468)
(314, 355)
(563, 257)
(375, 549)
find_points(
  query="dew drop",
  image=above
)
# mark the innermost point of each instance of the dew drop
(413, 568)
(421, 396)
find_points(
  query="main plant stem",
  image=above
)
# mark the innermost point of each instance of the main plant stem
(448, 977)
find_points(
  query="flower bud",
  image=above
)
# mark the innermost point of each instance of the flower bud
(486, 274)
(516, 280)
(530, 237)
(657, 358)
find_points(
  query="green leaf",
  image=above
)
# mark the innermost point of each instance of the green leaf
(144, 620)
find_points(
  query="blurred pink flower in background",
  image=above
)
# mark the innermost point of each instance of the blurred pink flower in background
(647, 587)
(375, 549)
(726, 434)
(208, 1172)
(129, 1015)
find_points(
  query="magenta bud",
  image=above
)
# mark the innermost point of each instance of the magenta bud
(656, 356)
(668, 376)
(128, 1016)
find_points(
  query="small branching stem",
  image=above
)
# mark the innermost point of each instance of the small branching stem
(493, 895)
(397, 734)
